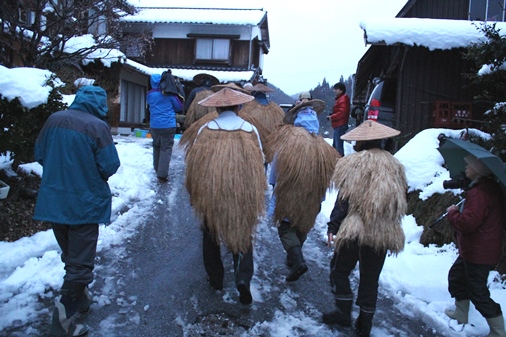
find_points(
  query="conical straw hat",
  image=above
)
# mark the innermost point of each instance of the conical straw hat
(370, 130)
(230, 85)
(261, 87)
(226, 97)
(199, 77)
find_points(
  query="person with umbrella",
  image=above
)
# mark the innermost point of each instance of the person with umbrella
(478, 229)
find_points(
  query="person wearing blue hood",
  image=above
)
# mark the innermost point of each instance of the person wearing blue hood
(162, 110)
(76, 150)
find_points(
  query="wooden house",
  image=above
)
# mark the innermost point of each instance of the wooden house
(229, 44)
(427, 78)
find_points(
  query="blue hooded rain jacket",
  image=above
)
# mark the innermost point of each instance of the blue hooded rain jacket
(76, 149)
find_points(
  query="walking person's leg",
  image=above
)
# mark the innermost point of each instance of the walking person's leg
(477, 277)
(166, 144)
(243, 268)
(370, 263)
(79, 245)
(155, 134)
(212, 259)
(342, 264)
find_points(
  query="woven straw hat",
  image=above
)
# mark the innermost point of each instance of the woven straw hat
(370, 130)
(230, 85)
(199, 77)
(226, 97)
(317, 105)
(260, 87)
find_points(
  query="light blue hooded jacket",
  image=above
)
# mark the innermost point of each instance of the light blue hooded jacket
(77, 152)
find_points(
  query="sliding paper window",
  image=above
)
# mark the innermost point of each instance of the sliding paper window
(212, 49)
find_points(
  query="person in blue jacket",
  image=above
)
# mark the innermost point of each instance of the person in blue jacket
(78, 155)
(162, 109)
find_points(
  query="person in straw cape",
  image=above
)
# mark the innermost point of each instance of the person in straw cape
(302, 163)
(479, 234)
(226, 184)
(269, 114)
(366, 221)
(188, 137)
(195, 111)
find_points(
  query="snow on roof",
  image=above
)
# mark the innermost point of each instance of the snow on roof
(188, 74)
(430, 33)
(244, 17)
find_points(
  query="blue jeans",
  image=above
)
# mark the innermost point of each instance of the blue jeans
(337, 142)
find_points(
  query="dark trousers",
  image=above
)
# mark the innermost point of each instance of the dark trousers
(468, 281)
(243, 262)
(163, 141)
(337, 142)
(78, 244)
(370, 265)
(289, 236)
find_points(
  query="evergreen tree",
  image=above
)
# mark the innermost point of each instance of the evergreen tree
(491, 54)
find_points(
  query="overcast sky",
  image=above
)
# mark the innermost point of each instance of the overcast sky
(310, 40)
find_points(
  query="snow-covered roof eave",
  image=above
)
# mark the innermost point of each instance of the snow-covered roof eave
(188, 74)
(430, 33)
(180, 15)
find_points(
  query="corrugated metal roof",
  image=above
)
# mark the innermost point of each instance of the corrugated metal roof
(244, 17)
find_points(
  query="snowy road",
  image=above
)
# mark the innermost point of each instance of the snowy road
(153, 283)
(159, 286)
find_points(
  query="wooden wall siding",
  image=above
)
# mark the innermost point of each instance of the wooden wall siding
(425, 78)
(255, 53)
(171, 52)
(440, 9)
(240, 53)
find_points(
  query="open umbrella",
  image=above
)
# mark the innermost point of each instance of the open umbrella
(455, 150)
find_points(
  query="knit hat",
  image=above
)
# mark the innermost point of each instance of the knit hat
(203, 76)
(370, 130)
(226, 97)
(477, 165)
(247, 86)
(305, 94)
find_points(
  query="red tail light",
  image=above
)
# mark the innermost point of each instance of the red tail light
(373, 109)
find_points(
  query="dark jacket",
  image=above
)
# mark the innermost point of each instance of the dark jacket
(77, 152)
(340, 111)
(479, 227)
(339, 212)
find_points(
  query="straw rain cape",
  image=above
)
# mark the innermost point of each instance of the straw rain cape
(189, 135)
(374, 182)
(304, 163)
(262, 131)
(197, 111)
(270, 116)
(226, 182)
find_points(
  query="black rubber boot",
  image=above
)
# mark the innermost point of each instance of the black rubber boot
(299, 265)
(363, 325)
(340, 316)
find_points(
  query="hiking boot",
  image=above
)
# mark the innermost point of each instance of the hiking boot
(62, 326)
(85, 304)
(244, 293)
(299, 265)
(341, 316)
